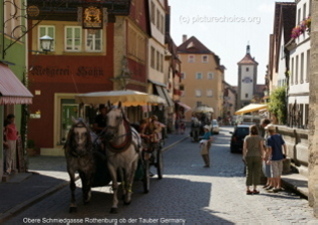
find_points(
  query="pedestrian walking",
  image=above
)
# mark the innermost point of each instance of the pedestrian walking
(205, 145)
(11, 140)
(253, 152)
(276, 153)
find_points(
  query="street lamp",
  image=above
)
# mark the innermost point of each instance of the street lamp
(46, 43)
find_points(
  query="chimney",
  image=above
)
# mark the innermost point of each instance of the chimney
(184, 38)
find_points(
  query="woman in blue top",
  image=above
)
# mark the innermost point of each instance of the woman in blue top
(205, 145)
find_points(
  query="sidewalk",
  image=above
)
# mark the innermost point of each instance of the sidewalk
(48, 174)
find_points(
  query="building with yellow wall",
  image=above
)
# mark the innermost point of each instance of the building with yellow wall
(202, 76)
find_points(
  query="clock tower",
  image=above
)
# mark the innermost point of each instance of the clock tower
(247, 79)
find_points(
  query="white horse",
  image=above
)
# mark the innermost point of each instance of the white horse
(123, 149)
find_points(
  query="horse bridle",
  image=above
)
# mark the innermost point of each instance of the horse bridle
(74, 152)
(122, 147)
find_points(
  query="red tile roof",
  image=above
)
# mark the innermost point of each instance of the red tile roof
(248, 60)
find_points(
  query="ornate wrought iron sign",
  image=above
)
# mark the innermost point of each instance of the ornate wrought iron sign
(33, 11)
(92, 17)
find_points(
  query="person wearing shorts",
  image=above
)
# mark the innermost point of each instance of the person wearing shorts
(275, 155)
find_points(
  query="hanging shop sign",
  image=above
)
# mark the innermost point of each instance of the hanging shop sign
(92, 17)
(33, 11)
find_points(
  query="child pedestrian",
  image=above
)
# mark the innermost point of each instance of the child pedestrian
(205, 145)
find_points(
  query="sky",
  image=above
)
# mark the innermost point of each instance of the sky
(226, 28)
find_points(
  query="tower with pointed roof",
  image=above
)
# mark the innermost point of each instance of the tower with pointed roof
(247, 79)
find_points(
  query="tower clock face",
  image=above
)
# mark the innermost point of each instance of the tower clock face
(247, 80)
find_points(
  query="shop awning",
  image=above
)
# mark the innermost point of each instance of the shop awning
(127, 97)
(185, 106)
(251, 108)
(12, 91)
(162, 92)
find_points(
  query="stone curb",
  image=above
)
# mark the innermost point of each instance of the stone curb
(295, 188)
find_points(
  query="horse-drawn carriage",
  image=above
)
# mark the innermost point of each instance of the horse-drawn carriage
(116, 154)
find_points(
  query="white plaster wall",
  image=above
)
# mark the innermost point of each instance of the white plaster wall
(154, 74)
(247, 88)
(155, 33)
(303, 45)
(280, 79)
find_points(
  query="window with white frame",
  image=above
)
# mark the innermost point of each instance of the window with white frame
(153, 11)
(157, 61)
(183, 75)
(191, 59)
(296, 70)
(292, 72)
(198, 75)
(307, 65)
(163, 24)
(282, 52)
(210, 76)
(205, 59)
(209, 93)
(73, 38)
(93, 42)
(161, 61)
(46, 30)
(158, 19)
(302, 68)
(152, 58)
(198, 93)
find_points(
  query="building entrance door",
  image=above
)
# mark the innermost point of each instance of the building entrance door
(69, 109)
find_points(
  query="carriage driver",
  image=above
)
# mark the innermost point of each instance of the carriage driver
(151, 133)
(100, 120)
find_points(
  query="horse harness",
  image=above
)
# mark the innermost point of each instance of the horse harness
(127, 142)
(73, 151)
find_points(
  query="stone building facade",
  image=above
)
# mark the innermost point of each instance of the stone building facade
(313, 108)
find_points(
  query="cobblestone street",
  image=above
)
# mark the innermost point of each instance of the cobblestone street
(188, 194)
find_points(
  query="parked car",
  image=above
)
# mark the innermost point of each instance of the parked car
(215, 126)
(240, 132)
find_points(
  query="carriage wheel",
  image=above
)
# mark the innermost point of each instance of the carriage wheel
(146, 178)
(159, 163)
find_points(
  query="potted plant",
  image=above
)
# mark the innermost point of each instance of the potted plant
(31, 151)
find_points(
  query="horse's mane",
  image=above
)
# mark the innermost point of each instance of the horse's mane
(70, 141)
